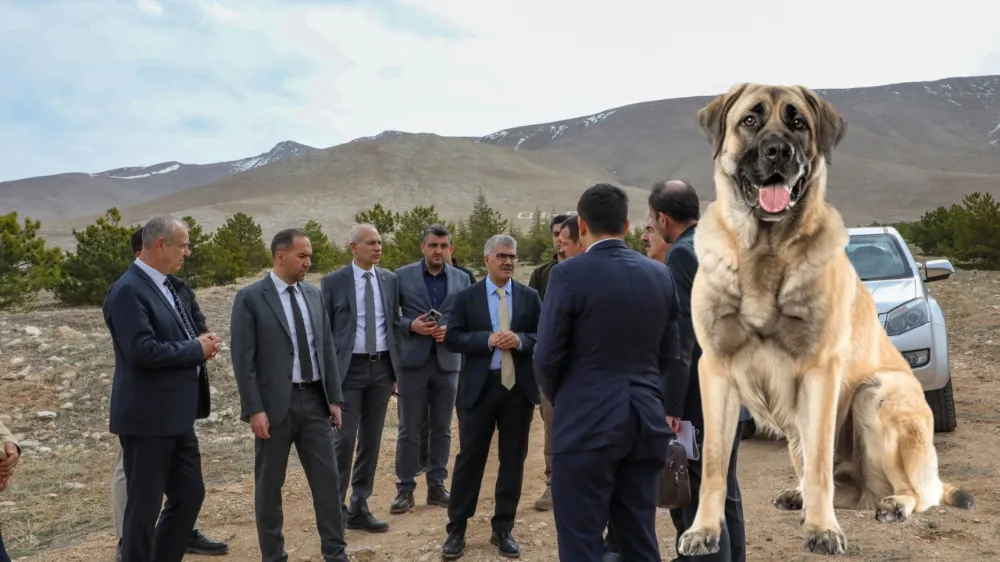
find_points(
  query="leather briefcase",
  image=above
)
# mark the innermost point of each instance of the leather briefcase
(675, 480)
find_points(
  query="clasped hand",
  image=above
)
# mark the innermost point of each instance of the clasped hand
(210, 344)
(504, 339)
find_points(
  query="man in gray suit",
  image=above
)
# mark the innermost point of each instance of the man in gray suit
(286, 370)
(430, 371)
(363, 303)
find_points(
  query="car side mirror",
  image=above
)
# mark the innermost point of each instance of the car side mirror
(937, 270)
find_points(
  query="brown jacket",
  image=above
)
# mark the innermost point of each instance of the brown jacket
(540, 276)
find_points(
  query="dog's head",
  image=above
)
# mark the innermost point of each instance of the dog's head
(773, 144)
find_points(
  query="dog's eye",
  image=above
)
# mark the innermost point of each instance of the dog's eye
(798, 123)
(749, 121)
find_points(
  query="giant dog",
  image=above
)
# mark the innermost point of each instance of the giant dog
(788, 329)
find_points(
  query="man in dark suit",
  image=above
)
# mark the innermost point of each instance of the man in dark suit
(674, 210)
(363, 303)
(493, 325)
(430, 370)
(285, 364)
(606, 339)
(155, 396)
(198, 542)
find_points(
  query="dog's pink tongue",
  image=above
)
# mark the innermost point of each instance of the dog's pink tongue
(774, 198)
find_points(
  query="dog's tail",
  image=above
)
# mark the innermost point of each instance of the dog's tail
(957, 497)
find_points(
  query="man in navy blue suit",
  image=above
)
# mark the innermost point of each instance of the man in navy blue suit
(607, 339)
(155, 396)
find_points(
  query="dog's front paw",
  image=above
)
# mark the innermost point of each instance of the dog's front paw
(789, 500)
(699, 542)
(825, 540)
(893, 509)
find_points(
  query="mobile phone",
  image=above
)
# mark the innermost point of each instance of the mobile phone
(434, 315)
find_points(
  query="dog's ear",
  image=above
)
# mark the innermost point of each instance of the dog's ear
(712, 117)
(830, 125)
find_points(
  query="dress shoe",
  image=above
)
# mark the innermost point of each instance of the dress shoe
(200, 544)
(544, 503)
(366, 522)
(404, 502)
(506, 544)
(611, 557)
(454, 546)
(438, 496)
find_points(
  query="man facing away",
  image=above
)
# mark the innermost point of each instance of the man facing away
(155, 396)
(430, 370)
(606, 339)
(539, 281)
(674, 210)
(198, 543)
(285, 365)
(363, 303)
(493, 325)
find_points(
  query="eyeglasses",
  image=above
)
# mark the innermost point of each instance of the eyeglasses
(506, 257)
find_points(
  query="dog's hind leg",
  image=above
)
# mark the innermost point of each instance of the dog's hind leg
(721, 413)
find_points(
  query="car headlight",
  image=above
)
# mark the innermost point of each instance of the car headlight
(907, 316)
(917, 358)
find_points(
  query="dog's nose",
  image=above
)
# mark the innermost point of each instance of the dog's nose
(776, 149)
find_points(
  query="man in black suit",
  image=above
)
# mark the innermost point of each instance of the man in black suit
(156, 396)
(493, 324)
(198, 542)
(606, 339)
(674, 211)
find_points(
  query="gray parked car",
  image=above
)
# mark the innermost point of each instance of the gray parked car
(909, 314)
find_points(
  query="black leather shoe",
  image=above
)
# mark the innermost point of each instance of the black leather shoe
(506, 544)
(200, 544)
(404, 502)
(438, 496)
(454, 546)
(366, 522)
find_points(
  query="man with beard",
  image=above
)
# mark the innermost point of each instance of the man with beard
(674, 211)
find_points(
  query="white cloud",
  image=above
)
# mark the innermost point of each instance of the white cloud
(217, 80)
(151, 7)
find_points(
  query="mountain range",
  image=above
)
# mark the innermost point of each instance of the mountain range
(909, 147)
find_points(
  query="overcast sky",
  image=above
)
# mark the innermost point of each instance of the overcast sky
(89, 85)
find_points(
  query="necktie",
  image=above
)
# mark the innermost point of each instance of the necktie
(370, 343)
(305, 358)
(506, 357)
(181, 311)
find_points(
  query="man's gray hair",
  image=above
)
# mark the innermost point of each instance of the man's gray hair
(504, 240)
(355, 233)
(160, 226)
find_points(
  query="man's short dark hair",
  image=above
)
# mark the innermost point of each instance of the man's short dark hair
(604, 207)
(137, 241)
(677, 199)
(284, 239)
(437, 230)
(573, 226)
(558, 219)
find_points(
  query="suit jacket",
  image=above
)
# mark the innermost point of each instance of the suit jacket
(469, 329)
(156, 385)
(685, 392)
(340, 296)
(186, 294)
(414, 348)
(606, 339)
(263, 353)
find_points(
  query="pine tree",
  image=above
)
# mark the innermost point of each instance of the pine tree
(26, 265)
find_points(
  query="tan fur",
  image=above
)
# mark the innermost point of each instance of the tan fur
(788, 329)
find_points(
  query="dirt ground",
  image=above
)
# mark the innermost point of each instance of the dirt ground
(58, 507)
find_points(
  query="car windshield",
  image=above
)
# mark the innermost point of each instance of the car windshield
(877, 256)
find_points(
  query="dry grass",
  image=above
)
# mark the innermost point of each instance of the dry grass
(76, 525)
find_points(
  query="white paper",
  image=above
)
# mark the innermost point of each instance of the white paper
(686, 437)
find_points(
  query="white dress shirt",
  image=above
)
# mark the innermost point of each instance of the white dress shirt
(381, 336)
(158, 280)
(286, 304)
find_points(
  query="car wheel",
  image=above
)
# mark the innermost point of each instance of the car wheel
(749, 430)
(942, 402)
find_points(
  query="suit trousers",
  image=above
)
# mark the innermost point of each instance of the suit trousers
(155, 466)
(119, 496)
(420, 389)
(509, 413)
(4, 557)
(307, 425)
(367, 387)
(732, 542)
(546, 410)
